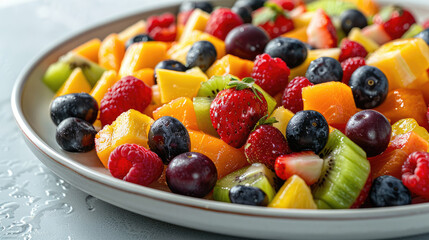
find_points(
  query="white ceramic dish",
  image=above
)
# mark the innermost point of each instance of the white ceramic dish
(30, 101)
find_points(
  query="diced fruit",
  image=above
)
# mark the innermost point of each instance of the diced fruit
(370, 130)
(56, 74)
(75, 135)
(271, 74)
(146, 75)
(91, 70)
(332, 7)
(388, 163)
(306, 165)
(182, 109)
(376, 33)
(302, 20)
(292, 96)
(155, 103)
(191, 174)
(294, 194)
(415, 173)
(89, 49)
(273, 20)
(162, 27)
(256, 175)
(106, 81)
(168, 138)
(324, 69)
(75, 83)
(197, 21)
(130, 127)
(321, 31)
(357, 36)
(197, 71)
(350, 49)
(368, 7)
(361, 199)
(230, 64)
(133, 30)
(221, 22)
(349, 67)
(352, 18)
(136, 57)
(313, 55)
(389, 191)
(226, 158)
(409, 124)
(283, 117)
(111, 53)
(246, 41)
(395, 20)
(404, 103)
(337, 104)
(202, 112)
(170, 65)
(344, 174)
(297, 33)
(402, 61)
(409, 142)
(173, 84)
(79, 105)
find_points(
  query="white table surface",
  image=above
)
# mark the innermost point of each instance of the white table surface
(34, 202)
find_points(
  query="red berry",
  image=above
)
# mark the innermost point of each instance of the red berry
(271, 74)
(321, 31)
(415, 173)
(221, 22)
(307, 165)
(134, 163)
(285, 4)
(425, 24)
(128, 93)
(264, 145)
(350, 49)
(162, 28)
(395, 20)
(273, 20)
(182, 17)
(363, 193)
(349, 66)
(292, 96)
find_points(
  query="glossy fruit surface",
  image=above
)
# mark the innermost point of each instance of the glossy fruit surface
(324, 69)
(415, 173)
(389, 191)
(246, 41)
(350, 49)
(352, 18)
(307, 165)
(191, 5)
(170, 65)
(79, 105)
(307, 131)
(168, 138)
(271, 74)
(253, 4)
(247, 195)
(292, 51)
(138, 38)
(202, 54)
(349, 67)
(370, 130)
(424, 35)
(75, 135)
(292, 95)
(221, 22)
(191, 174)
(244, 12)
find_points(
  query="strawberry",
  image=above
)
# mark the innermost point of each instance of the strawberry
(273, 19)
(265, 144)
(307, 165)
(395, 20)
(285, 4)
(351, 49)
(162, 28)
(321, 32)
(221, 22)
(271, 74)
(236, 110)
(349, 66)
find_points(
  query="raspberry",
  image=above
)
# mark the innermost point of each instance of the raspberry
(271, 74)
(351, 49)
(415, 173)
(128, 93)
(349, 66)
(162, 28)
(292, 96)
(221, 22)
(135, 164)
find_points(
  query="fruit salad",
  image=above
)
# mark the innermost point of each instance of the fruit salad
(276, 103)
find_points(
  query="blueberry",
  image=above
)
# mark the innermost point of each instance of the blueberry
(253, 4)
(75, 135)
(324, 69)
(244, 12)
(247, 195)
(168, 138)
(352, 18)
(190, 5)
(79, 105)
(170, 65)
(369, 86)
(424, 35)
(307, 131)
(389, 191)
(138, 38)
(202, 54)
(292, 51)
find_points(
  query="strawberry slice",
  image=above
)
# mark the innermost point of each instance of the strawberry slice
(306, 164)
(321, 31)
(360, 200)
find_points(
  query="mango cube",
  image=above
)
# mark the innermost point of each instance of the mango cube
(197, 21)
(182, 109)
(102, 86)
(283, 117)
(75, 83)
(233, 65)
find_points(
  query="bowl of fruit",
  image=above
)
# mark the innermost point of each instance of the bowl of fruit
(250, 118)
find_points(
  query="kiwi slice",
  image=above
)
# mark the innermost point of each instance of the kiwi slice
(256, 175)
(331, 7)
(56, 74)
(413, 31)
(344, 173)
(91, 70)
(202, 112)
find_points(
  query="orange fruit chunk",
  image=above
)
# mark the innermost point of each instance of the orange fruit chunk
(388, 163)
(182, 109)
(227, 159)
(404, 103)
(233, 65)
(294, 193)
(75, 83)
(102, 86)
(135, 29)
(146, 75)
(89, 50)
(334, 100)
(409, 142)
(298, 33)
(155, 103)
(111, 52)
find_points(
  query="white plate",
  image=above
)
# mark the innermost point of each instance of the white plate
(30, 101)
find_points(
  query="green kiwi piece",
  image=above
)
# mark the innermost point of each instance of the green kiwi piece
(413, 31)
(91, 70)
(344, 173)
(56, 74)
(331, 7)
(202, 112)
(271, 102)
(255, 175)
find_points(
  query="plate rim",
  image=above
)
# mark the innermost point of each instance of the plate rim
(167, 197)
